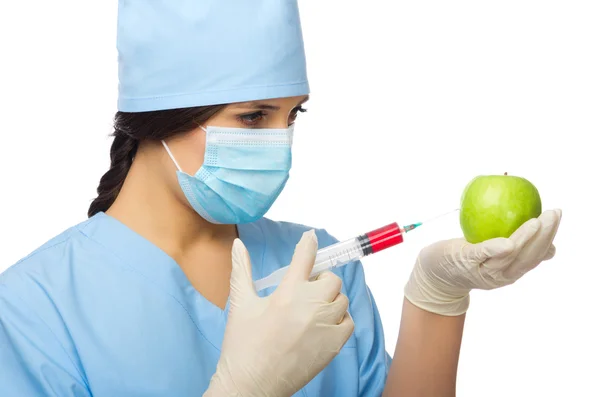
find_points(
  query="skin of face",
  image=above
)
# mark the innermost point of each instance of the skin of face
(188, 149)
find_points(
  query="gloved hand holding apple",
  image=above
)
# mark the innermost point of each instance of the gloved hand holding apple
(505, 236)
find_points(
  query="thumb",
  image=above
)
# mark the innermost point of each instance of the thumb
(303, 260)
(241, 284)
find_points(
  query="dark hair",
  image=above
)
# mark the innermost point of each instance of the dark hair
(130, 130)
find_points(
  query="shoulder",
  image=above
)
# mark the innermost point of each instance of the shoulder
(285, 236)
(38, 294)
(51, 249)
(32, 309)
(290, 233)
(46, 264)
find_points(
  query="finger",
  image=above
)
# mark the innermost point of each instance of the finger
(327, 286)
(558, 213)
(241, 284)
(524, 233)
(494, 258)
(334, 312)
(502, 247)
(336, 335)
(550, 254)
(538, 248)
(344, 304)
(303, 259)
(346, 327)
(492, 248)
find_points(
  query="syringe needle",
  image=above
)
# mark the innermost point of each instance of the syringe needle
(413, 226)
(441, 215)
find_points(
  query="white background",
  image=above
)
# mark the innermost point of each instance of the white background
(410, 100)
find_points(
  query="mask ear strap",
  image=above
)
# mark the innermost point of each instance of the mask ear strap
(171, 156)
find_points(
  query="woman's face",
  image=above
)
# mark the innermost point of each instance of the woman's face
(188, 149)
(273, 113)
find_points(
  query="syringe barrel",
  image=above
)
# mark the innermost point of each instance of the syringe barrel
(342, 253)
(382, 238)
(338, 254)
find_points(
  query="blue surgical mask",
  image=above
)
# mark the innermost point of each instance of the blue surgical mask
(244, 172)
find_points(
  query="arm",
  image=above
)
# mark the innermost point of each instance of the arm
(32, 361)
(426, 358)
(437, 298)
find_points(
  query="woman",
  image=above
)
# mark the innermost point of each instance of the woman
(147, 297)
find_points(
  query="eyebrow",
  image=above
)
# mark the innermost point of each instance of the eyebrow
(259, 105)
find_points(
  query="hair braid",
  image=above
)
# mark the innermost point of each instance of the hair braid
(122, 151)
(130, 130)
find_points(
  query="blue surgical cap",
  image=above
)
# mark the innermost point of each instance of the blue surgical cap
(185, 53)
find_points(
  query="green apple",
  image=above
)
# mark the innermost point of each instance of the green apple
(496, 205)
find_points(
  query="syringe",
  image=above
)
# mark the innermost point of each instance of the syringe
(344, 252)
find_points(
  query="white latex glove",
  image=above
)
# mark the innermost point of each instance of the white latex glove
(446, 272)
(274, 346)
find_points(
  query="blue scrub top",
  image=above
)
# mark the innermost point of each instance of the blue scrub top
(101, 311)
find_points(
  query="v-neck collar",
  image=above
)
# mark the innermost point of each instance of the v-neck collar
(138, 254)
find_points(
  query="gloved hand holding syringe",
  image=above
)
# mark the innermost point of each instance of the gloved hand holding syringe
(350, 250)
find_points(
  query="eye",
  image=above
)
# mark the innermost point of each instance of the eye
(294, 113)
(252, 119)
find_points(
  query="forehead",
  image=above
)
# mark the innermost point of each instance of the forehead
(275, 103)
